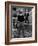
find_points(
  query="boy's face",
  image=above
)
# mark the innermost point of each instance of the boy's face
(20, 11)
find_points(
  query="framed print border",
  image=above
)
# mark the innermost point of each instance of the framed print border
(7, 22)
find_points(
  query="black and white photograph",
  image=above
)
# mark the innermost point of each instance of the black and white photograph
(21, 22)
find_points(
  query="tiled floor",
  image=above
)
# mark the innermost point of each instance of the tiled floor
(25, 31)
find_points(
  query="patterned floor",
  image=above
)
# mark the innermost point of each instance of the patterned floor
(22, 32)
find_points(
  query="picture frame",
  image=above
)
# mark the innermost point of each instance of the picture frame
(30, 33)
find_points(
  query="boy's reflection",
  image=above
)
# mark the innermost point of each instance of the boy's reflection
(26, 15)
